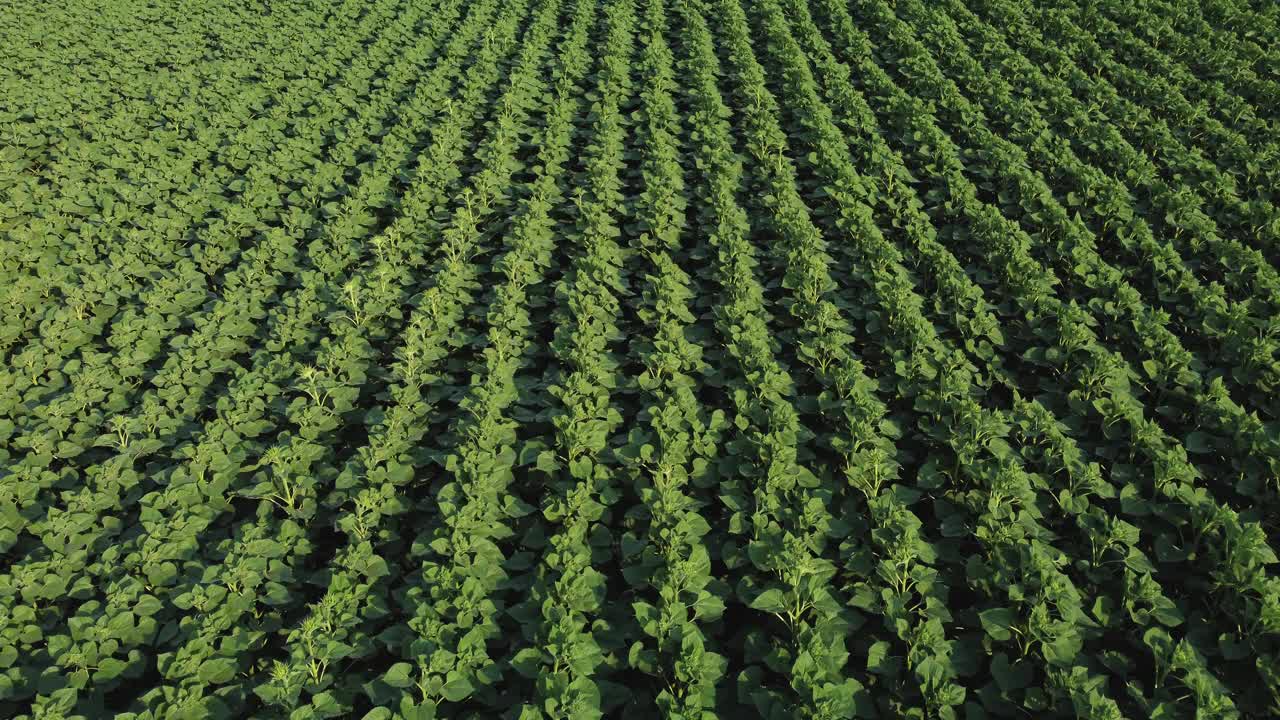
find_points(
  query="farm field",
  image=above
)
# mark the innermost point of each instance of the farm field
(686, 359)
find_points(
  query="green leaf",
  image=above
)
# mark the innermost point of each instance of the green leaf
(399, 676)
(1064, 651)
(326, 705)
(457, 689)
(997, 622)
(547, 462)
(528, 662)
(216, 671)
(648, 617)
(108, 669)
(1010, 676)
(1198, 442)
(769, 601)
(147, 606)
(877, 658)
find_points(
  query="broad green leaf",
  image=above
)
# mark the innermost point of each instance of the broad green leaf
(770, 601)
(997, 622)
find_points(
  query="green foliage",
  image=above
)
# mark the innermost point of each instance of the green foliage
(640, 358)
